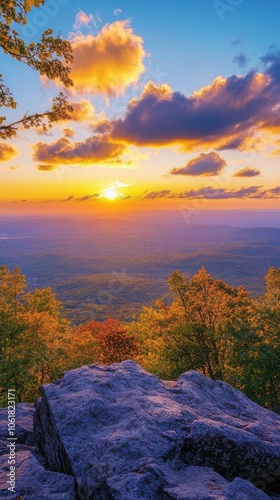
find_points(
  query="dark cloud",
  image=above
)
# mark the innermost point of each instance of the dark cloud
(204, 164)
(88, 197)
(212, 193)
(46, 167)
(275, 192)
(247, 172)
(69, 198)
(241, 60)
(152, 195)
(90, 151)
(228, 113)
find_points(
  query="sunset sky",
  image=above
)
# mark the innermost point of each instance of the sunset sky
(176, 103)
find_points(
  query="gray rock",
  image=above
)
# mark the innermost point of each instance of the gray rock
(125, 435)
(33, 482)
(173, 481)
(240, 489)
(24, 413)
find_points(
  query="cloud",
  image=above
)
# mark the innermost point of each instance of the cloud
(152, 195)
(109, 62)
(275, 191)
(203, 164)
(236, 42)
(88, 197)
(71, 197)
(212, 193)
(68, 132)
(229, 113)
(241, 60)
(83, 111)
(7, 152)
(82, 19)
(93, 150)
(47, 167)
(117, 12)
(247, 172)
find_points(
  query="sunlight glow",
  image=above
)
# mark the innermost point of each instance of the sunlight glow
(110, 193)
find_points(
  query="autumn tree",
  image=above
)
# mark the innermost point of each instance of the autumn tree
(160, 332)
(50, 57)
(34, 336)
(201, 329)
(210, 310)
(218, 330)
(263, 381)
(112, 341)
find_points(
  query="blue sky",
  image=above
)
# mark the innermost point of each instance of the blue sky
(188, 44)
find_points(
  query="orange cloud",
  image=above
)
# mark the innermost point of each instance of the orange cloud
(93, 150)
(109, 62)
(7, 152)
(83, 110)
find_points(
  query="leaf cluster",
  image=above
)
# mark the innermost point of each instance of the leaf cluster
(51, 57)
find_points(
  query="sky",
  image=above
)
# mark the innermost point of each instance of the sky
(176, 104)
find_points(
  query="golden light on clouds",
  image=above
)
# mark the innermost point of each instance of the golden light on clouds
(112, 193)
(92, 151)
(83, 110)
(109, 62)
(7, 152)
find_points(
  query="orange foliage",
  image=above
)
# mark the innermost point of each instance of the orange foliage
(113, 342)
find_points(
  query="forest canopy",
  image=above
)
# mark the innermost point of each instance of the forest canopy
(209, 326)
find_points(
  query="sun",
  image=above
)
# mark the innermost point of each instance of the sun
(110, 193)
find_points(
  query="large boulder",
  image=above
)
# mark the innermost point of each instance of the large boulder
(124, 434)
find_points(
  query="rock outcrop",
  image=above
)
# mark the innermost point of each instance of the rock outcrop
(120, 433)
(33, 481)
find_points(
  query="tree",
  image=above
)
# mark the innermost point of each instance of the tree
(162, 342)
(34, 337)
(211, 308)
(116, 344)
(50, 57)
(265, 357)
(272, 295)
(113, 342)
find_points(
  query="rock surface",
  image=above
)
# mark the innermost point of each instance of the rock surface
(123, 434)
(33, 482)
(23, 429)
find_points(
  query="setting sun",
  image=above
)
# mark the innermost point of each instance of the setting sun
(110, 193)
